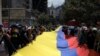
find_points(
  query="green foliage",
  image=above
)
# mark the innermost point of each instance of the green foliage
(82, 10)
(43, 19)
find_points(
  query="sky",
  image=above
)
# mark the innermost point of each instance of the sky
(56, 3)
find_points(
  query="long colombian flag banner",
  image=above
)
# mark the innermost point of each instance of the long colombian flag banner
(54, 43)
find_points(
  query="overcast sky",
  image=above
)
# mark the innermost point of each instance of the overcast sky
(55, 2)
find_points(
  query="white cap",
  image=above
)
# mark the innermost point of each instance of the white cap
(29, 27)
(73, 20)
(85, 28)
(72, 27)
(94, 28)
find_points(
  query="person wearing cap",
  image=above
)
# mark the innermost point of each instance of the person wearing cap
(29, 33)
(91, 36)
(97, 39)
(83, 35)
(65, 30)
(24, 39)
(34, 33)
(42, 29)
(15, 36)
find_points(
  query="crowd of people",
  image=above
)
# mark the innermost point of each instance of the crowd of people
(18, 36)
(88, 35)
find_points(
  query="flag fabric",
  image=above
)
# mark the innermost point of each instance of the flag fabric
(53, 43)
(45, 45)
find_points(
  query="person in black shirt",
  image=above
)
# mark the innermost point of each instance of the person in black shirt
(5, 37)
(8, 44)
(15, 36)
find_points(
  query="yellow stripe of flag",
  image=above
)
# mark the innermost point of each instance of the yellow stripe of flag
(45, 45)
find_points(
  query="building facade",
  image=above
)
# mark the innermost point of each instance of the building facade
(0, 12)
(13, 12)
(20, 11)
(55, 12)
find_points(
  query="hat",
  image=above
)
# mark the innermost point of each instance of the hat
(85, 28)
(29, 27)
(95, 29)
(13, 26)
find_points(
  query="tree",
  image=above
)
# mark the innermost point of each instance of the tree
(82, 10)
(43, 19)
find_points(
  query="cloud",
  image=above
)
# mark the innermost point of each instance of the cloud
(55, 2)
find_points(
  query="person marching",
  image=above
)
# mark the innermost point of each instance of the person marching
(15, 36)
(5, 37)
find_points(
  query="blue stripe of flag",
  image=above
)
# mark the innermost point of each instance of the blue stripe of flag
(62, 45)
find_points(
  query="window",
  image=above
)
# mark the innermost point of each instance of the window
(6, 3)
(5, 13)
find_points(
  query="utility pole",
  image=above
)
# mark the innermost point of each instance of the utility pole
(0, 11)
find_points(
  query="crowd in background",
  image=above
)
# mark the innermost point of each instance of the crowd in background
(18, 36)
(87, 34)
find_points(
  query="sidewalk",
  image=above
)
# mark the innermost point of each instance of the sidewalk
(2, 48)
(2, 51)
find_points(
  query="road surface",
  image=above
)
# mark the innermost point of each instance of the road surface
(2, 51)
